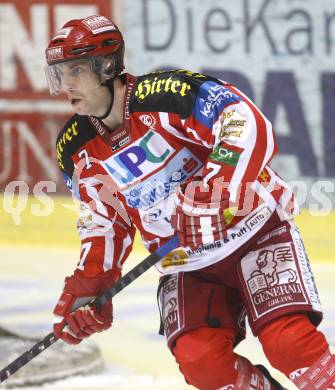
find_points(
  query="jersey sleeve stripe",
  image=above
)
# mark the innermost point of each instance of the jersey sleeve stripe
(167, 125)
(241, 171)
(109, 251)
(262, 151)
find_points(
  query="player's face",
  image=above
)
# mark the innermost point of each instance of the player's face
(80, 83)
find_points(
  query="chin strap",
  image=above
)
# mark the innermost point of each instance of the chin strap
(110, 86)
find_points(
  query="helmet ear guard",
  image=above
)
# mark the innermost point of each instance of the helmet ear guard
(109, 68)
(115, 64)
(105, 67)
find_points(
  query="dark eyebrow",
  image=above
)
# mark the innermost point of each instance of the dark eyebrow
(73, 65)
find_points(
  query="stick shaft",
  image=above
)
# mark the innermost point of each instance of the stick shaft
(50, 339)
(137, 271)
(25, 358)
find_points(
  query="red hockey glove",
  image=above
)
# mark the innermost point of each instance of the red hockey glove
(198, 218)
(73, 324)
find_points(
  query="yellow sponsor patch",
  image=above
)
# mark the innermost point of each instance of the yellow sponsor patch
(264, 176)
(68, 135)
(176, 257)
(149, 87)
(232, 125)
(229, 214)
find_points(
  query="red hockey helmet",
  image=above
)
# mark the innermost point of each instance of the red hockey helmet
(93, 38)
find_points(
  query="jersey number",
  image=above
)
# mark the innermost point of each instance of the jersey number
(83, 154)
(215, 168)
(85, 248)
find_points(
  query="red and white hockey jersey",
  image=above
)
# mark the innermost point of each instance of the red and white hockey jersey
(176, 124)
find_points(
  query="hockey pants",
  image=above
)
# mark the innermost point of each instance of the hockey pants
(291, 344)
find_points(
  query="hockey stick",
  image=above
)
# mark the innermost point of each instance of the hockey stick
(133, 274)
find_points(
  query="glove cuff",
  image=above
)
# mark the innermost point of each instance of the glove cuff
(197, 199)
(97, 284)
(64, 304)
(80, 285)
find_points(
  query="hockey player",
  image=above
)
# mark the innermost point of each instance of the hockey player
(178, 152)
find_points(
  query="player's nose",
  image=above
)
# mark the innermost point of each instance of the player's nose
(67, 83)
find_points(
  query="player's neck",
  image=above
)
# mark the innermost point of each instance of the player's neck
(115, 118)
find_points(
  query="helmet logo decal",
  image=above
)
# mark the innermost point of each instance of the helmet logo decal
(62, 33)
(55, 53)
(98, 24)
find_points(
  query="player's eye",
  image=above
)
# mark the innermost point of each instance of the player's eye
(77, 70)
(57, 71)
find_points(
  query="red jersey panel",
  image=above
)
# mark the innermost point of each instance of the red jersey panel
(177, 124)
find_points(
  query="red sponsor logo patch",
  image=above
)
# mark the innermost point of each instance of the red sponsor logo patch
(55, 53)
(98, 24)
(273, 279)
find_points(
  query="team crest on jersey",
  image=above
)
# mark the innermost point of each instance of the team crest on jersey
(148, 120)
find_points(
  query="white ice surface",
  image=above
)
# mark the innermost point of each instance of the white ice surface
(116, 379)
(136, 357)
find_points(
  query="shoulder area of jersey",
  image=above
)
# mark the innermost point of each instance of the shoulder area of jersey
(158, 91)
(75, 133)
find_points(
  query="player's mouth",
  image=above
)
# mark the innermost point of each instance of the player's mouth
(74, 101)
